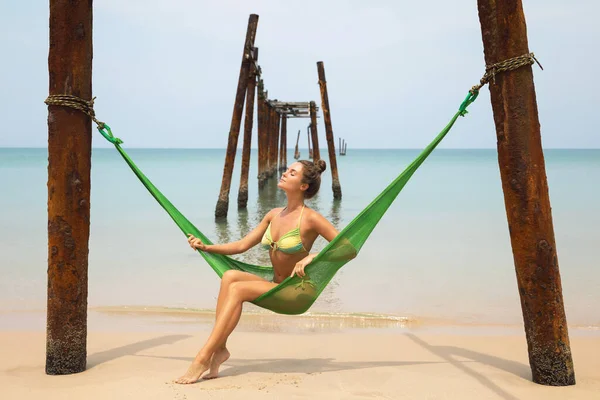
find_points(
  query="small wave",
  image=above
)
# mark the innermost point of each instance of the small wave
(257, 319)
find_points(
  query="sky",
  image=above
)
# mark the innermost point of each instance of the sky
(165, 73)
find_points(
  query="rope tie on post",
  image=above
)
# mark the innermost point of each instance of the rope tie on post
(490, 75)
(85, 106)
(507, 65)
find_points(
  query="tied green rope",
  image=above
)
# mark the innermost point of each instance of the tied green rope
(507, 65)
(85, 106)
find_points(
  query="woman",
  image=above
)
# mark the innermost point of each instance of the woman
(288, 234)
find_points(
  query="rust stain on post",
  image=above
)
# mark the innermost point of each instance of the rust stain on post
(337, 189)
(69, 164)
(526, 197)
(236, 119)
(243, 193)
(313, 131)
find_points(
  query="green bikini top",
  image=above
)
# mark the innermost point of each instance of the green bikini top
(289, 243)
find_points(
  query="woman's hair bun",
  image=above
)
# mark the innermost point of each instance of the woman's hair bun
(321, 166)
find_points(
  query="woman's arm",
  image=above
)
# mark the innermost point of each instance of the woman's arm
(240, 246)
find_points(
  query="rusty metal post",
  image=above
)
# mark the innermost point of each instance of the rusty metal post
(236, 119)
(525, 187)
(313, 131)
(297, 150)
(310, 152)
(270, 129)
(69, 165)
(243, 192)
(273, 137)
(276, 134)
(262, 135)
(283, 144)
(335, 185)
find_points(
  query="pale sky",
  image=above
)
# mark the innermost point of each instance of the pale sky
(165, 72)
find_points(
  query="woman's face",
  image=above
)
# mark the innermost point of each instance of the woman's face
(291, 180)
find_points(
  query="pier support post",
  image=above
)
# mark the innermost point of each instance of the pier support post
(335, 185)
(69, 165)
(283, 144)
(248, 122)
(313, 132)
(236, 119)
(526, 198)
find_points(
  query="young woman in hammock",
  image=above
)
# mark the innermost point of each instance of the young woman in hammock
(288, 234)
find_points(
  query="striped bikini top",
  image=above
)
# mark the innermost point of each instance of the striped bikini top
(289, 243)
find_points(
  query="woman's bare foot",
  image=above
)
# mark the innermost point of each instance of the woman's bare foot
(218, 358)
(194, 372)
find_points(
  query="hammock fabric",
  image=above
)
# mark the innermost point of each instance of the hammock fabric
(295, 295)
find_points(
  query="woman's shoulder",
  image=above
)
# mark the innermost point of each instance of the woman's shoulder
(312, 216)
(273, 213)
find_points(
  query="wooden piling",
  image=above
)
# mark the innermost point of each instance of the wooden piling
(526, 197)
(69, 165)
(248, 122)
(335, 180)
(238, 108)
(313, 131)
(263, 135)
(283, 144)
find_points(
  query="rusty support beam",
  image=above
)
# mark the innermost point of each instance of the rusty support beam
(283, 144)
(263, 149)
(313, 131)
(526, 198)
(335, 179)
(69, 165)
(276, 135)
(268, 141)
(270, 130)
(248, 122)
(297, 150)
(310, 152)
(236, 119)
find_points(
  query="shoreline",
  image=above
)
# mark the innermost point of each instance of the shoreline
(181, 319)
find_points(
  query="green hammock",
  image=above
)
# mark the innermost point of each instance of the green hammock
(295, 295)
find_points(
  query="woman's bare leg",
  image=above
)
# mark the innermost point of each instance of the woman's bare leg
(229, 316)
(222, 354)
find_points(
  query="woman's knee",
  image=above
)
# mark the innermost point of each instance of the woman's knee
(239, 291)
(231, 276)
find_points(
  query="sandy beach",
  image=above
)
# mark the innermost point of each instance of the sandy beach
(293, 360)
